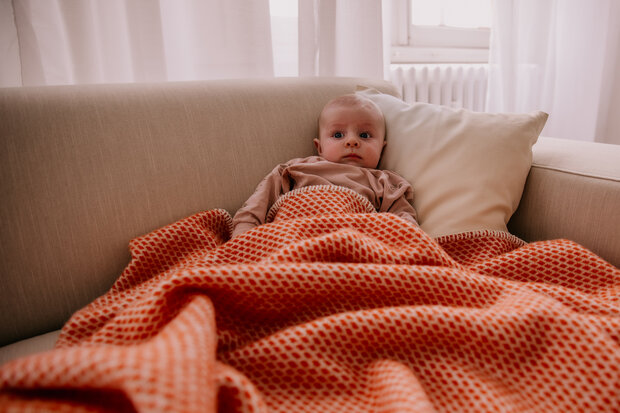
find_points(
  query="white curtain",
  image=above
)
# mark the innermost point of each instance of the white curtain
(45, 42)
(50, 42)
(341, 38)
(558, 56)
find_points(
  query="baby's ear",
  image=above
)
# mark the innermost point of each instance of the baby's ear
(317, 144)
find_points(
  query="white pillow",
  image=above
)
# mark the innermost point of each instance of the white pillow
(467, 169)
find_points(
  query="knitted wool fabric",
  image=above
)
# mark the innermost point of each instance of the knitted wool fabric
(335, 310)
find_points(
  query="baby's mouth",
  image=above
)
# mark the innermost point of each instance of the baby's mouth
(352, 156)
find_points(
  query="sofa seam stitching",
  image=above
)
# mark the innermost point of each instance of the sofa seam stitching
(573, 172)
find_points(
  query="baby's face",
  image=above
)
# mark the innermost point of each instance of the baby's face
(351, 134)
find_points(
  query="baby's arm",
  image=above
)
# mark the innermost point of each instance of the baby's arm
(254, 210)
(398, 197)
(403, 208)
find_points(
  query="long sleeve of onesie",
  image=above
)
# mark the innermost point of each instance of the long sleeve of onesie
(402, 207)
(394, 195)
(254, 210)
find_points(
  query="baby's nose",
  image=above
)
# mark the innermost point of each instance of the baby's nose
(352, 141)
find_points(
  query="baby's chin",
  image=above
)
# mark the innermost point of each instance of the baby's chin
(357, 162)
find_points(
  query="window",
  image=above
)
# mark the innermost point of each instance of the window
(440, 31)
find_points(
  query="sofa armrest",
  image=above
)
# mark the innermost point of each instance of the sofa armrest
(572, 192)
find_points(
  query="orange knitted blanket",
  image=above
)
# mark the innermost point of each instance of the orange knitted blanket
(332, 308)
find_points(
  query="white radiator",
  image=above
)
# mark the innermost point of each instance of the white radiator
(454, 85)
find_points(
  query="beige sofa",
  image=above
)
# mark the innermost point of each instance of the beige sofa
(84, 169)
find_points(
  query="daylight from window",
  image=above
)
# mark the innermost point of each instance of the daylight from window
(454, 13)
(460, 14)
(284, 37)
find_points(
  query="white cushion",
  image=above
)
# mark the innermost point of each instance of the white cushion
(467, 169)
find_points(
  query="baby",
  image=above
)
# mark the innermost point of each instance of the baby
(350, 143)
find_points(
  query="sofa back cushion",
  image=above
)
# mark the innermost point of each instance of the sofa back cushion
(84, 169)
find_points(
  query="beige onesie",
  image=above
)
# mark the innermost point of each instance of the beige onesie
(386, 190)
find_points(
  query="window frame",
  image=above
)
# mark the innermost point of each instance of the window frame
(434, 44)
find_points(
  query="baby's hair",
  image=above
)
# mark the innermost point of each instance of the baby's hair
(350, 99)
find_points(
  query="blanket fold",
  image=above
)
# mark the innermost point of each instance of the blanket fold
(326, 309)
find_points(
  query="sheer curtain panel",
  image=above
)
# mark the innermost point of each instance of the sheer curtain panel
(47, 42)
(559, 56)
(50, 42)
(341, 38)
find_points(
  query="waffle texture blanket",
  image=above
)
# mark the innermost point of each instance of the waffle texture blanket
(334, 308)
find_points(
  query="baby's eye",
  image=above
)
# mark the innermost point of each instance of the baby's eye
(338, 135)
(365, 135)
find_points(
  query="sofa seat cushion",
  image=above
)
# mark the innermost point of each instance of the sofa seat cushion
(28, 346)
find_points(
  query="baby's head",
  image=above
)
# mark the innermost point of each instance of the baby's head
(351, 131)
